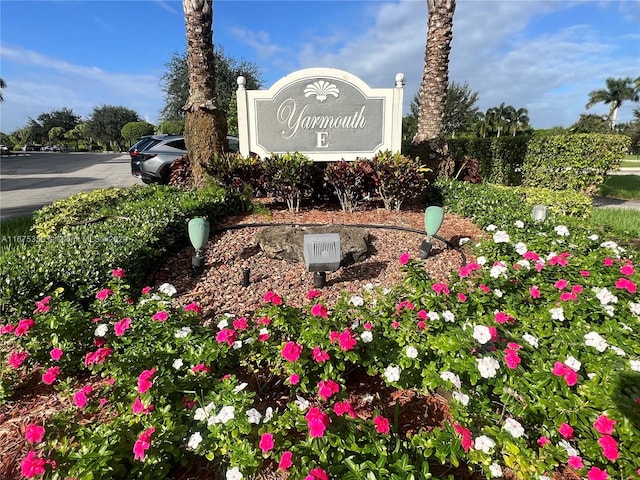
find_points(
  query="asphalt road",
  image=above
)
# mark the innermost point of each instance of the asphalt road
(31, 180)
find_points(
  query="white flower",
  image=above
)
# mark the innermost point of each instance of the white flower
(495, 470)
(571, 451)
(617, 249)
(240, 387)
(514, 428)
(521, 248)
(194, 441)
(488, 367)
(562, 230)
(531, 340)
(302, 403)
(593, 339)
(497, 292)
(366, 336)
(203, 413)
(224, 323)
(183, 332)
(464, 240)
(609, 310)
(167, 289)
(501, 237)
(392, 373)
(101, 330)
(268, 415)
(605, 296)
(411, 352)
(433, 316)
(544, 477)
(635, 308)
(484, 444)
(356, 301)
(226, 414)
(593, 237)
(367, 398)
(249, 340)
(481, 334)
(234, 474)
(557, 313)
(626, 327)
(519, 223)
(448, 316)
(617, 350)
(491, 228)
(481, 260)
(634, 365)
(254, 416)
(524, 264)
(573, 363)
(499, 269)
(177, 363)
(451, 377)
(461, 397)
(237, 344)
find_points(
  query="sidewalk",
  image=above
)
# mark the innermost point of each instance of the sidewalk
(602, 202)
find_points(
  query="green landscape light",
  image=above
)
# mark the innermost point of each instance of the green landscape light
(433, 217)
(198, 235)
(539, 213)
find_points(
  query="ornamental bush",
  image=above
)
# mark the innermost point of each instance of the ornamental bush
(288, 176)
(353, 181)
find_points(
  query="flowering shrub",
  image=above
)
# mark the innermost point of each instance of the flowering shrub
(535, 344)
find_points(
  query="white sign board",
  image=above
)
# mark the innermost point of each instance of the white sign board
(323, 113)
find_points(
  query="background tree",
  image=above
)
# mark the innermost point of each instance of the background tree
(171, 127)
(132, 131)
(205, 128)
(518, 121)
(460, 110)
(56, 134)
(617, 92)
(591, 123)
(64, 118)
(106, 122)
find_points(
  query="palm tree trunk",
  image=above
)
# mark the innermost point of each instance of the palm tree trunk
(205, 130)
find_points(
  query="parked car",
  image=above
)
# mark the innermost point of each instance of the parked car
(4, 150)
(152, 156)
(31, 148)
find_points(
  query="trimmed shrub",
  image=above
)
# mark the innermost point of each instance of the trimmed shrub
(352, 181)
(398, 178)
(288, 176)
(573, 162)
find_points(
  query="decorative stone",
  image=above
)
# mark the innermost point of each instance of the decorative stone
(286, 242)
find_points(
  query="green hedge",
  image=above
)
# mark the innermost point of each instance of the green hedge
(135, 230)
(573, 162)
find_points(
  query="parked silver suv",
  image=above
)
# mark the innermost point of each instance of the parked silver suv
(152, 156)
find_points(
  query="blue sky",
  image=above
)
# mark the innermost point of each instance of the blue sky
(545, 56)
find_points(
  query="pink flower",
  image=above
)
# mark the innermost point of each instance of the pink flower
(566, 431)
(271, 297)
(607, 262)
(346, 340)
(512, 358)
(533, 256)
(139, 407)
(421, 325)
(542, 441)
(562, 370)
(575, 461)
(404, 258)
(192, 307)
(626, 284)
(340, 408)
(16, 359)
(117, 272)
(263, 321)
(317, 474)
(122, 326)
(502, 317)
(568, 296)
(382, 424)
(227, 335)
(42, 306)
(104, 293)
(395, 325)
(80, 399)
(327, 388)
(142, 444)
(319, 355)
(200, 368)
(146, 290)
(534, 292)
(285, 461)
(97, 357)
(34, 433)
(7, 329)
(144, 380)
(319, 310)
(466, 436)
(333, 336)
(160, 316)
(484, 288)
(596, 474)
(291, 351)
(51, 375)
(609, 447)
(266, 442)
(585, 273)
(23, 327)
(604, 425)
(314, 294)
(56, 354)
(561, 284)
(462, 297)
(627, 269)
(32, 465)
(368, 326)
(440, 288)
(294, 379)
(240, 323)
(317, 421)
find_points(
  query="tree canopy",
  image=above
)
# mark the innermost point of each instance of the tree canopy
(106, 122)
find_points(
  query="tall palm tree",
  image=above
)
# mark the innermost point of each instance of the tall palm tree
(518, 120)
(3, 84)
(205, 130)
(435, 77)
(618, 91)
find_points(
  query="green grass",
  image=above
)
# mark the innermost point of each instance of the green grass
(15, 231)
(622, 221)
(621, 186)
(631, 161)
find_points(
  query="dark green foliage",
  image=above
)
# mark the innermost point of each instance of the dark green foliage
(132, 131)
(572, 162)
(288, 177)
(136, 228)
(352, 181)
(39, 128)
(106, 122)
(398, 178)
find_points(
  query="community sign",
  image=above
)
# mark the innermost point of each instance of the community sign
(323, 113)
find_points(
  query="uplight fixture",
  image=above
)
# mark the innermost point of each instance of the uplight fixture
(198, 229)
(539, 213)
(321, 253)
(433, 217)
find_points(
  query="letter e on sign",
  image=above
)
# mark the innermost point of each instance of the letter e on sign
(321, 139)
